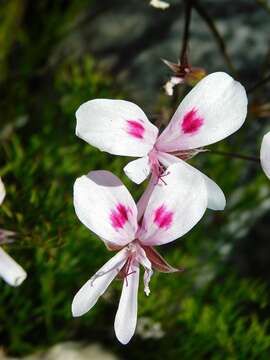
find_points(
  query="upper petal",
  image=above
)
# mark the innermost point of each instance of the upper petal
(173, 208)
(214, 109)
(126, 316)
(265, 154)
(116, 126)
(90, 292)
(105, 206)
(138, 170)
(216, 197)
(10, 271)
(2, 191)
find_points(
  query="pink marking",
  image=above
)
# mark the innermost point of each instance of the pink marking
(119, 216)
(135, 128)
(191, 122)
(163, 218)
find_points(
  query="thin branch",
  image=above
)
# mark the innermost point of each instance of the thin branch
(264, 5)
(235, 155)
(258, 84)
(205, 16)
(185, 38)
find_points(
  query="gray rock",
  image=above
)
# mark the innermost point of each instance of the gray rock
(70, 351)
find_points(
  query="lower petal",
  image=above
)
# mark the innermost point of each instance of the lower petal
(216, 198)
(89, 294)
(126, 316)
(146, 279)
(10, 271)
(146, 263)
(138, 170)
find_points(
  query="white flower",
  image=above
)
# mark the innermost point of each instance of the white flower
(10, 271)
(2, 191)
(105, 206)
(214, 109)
(265, 154)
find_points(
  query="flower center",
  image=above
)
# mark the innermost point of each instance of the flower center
(156, 168)
(125, 271)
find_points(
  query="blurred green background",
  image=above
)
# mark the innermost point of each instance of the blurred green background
(54, 55)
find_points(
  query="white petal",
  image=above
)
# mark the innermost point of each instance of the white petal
(216, 197)
(175, 207)
(138, 170)
(10, 271)
(145, 262)
(105, 206)
(214, 109)
(126, 316)
(116, 126)
(2, 192)
(143, 201)
(90, 292)
(265, 154)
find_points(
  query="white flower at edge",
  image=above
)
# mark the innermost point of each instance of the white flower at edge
(2, 191)
(10, 271)
(104, 205)
(214, 109)
(265, 154)
(159, 4)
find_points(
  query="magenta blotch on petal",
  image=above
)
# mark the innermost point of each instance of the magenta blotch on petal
(191, 122)
(162, 217)
(119, 216)
(135, 128)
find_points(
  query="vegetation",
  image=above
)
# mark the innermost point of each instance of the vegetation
(217, 309)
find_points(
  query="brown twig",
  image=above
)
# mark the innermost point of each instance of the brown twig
(264, 5)
(185, 38)
(235, 155)
(210, 23)
(258, 84)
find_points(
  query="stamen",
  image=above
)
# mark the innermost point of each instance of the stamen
(162, 176)
(126, 279)
(124, 272)
(158, 170)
